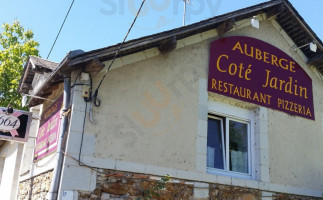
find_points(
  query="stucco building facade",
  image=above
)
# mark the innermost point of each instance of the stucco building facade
(160, 112)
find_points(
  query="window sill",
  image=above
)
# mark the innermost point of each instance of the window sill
(229, 174)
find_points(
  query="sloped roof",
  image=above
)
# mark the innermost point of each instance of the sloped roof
(286, 15)
(43, 63)
(34, 65)
(283, 11)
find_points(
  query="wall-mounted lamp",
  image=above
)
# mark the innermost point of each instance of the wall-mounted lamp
(254, 22)
(313, 46)
(25, 99)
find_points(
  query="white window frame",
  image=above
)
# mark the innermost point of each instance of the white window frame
(222, 141)
(238, 114)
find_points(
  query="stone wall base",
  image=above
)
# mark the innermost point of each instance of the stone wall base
(132, 186)
(294, 197)
(218, 192)
(124, 185)
(119, 185)
(36, 187)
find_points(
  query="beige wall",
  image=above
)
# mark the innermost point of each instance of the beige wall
(296, 145)
(160, 96)
(149, 114)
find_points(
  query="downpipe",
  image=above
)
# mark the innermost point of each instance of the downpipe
(54, 190)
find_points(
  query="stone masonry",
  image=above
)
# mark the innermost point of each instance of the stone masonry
(294, 197)
(124, 185)
(35, 188)
(219, 192)
(117, 185)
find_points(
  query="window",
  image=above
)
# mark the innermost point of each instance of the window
(228, 145)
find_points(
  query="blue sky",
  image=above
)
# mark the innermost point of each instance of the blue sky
(94, 24)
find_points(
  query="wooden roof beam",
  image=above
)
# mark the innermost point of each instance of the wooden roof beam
(36, 102)
(225, 26)
(317, 60)
(271, 14)
(56, 81)
(27, 86)
(284, 17)
(54, 87)
(168, 45)
(300, 37)
(94, 66)
(40, 70)
(45, 94)
(24, 91)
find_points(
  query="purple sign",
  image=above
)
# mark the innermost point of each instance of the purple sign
(254, 71)
(47, 136)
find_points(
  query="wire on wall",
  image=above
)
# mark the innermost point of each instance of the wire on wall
(81, 145)
(46, 163)
(95, 99)
(83, 164)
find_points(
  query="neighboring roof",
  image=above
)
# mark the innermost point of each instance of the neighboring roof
(285, 14)
(40, 62)
(34, 65)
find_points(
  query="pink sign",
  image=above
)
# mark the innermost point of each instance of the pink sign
(48, 131)
(14, 126)
(251, 70)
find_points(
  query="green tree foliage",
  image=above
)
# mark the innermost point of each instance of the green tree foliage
(16, 45)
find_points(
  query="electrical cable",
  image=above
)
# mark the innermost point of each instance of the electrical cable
(88, 99)
(78, 84)
(83, 164)
(46, 163)
(60, 29)
(80, 151)
(95, 97)
(76, 80)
